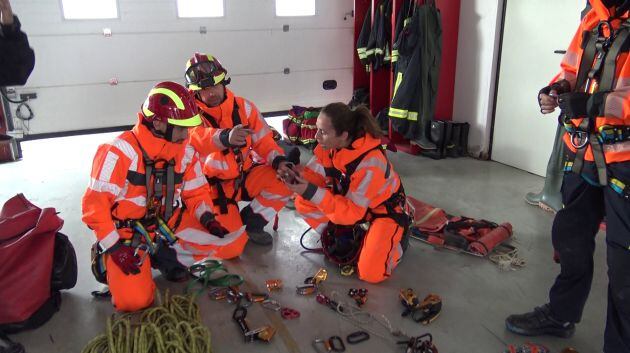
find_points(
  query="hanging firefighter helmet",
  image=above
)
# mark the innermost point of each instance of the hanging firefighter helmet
(171, 103)
(203, 70)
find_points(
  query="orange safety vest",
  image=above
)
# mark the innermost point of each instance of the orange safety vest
(118, 185)
(360, 179)
(227, 163)
(580, 59)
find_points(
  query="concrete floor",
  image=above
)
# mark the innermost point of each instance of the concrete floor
(477, 296)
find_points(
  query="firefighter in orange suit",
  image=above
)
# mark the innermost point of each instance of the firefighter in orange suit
(148, 202)
(593, 94)
(348, 182)
(238, 152)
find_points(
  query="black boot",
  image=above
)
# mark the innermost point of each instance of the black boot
(165, 260)
(539, 322)
(255, 225)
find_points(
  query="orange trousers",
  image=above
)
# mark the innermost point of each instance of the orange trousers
(136, 292)
(267, 195)
(381, 249)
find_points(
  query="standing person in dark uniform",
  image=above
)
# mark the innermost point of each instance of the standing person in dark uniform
(17, 59)
(593, 94)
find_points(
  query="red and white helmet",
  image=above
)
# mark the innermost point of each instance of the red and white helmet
(171, 103)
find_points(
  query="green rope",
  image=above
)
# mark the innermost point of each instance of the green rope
(204, 275)
(172, 327)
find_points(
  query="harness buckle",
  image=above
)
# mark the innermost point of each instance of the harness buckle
(579, 139)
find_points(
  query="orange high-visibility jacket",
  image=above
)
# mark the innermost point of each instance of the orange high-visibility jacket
(117, 189)
(206, 140)
(373, 182)
(617, 104)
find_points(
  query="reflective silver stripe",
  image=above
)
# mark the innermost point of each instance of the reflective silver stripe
(220, 165)
(138, 200)
(196, 236)
(358, 196)
(390, 261)
(109, 240)
(194, 183)
(189, 152)
(216, 139)
(271, 156)
(269, 196)
(197, 169)
(102, 186)
(201, 209)
(391, 183)
(314, 165)
(319, 196)
(108, 166)
(260, 134)
(614, 104)
(380, 163)
(126, 148)
(570, 58)
(268, 213)
(248, 107)
(314, 215)
(617, 147)
(622, 82)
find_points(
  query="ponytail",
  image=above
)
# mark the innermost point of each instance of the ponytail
(357, 122)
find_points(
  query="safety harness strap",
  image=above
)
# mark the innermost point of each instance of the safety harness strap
(222, 200)
(604, 53)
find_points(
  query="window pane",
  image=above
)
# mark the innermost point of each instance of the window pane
(295, 7)
(89, 9)
(200, 8)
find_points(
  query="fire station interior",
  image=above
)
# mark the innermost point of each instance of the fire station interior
(96, 61)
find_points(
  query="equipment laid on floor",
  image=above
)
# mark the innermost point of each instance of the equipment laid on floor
(173, 326)
(527, 348)
(450, 139)
(37, 262)
(475, 237)
(425, 311)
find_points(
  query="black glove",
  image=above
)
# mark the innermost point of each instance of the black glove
(573, 105)
(579, 104)
(123, 256)
(212, 225)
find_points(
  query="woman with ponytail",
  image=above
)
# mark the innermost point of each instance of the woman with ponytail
(349, 184)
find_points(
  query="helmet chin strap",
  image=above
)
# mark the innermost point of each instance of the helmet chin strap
(168, 135)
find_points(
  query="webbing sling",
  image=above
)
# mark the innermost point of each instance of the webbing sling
(604, 54)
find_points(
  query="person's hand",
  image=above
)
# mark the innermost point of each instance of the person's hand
(6, 14)
(123, 256)
(286, 173)
(212, 225)
(573, 105)
(298, 185)
(238, 134)
(548, 101)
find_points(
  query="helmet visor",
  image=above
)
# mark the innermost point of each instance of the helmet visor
(204, 74)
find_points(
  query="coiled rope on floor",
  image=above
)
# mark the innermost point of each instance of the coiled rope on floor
(172, 327)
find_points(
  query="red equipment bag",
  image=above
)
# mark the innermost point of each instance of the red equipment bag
(37, 262)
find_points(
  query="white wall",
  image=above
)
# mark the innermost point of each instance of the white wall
(523, 137)
(74, 61)
(477, 51)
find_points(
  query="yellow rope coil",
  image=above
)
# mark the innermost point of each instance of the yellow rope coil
(172, 327)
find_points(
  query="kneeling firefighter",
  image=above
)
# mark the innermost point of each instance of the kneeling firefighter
(238, 152)
(350, 194)
(148, 202)
(593, 93)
